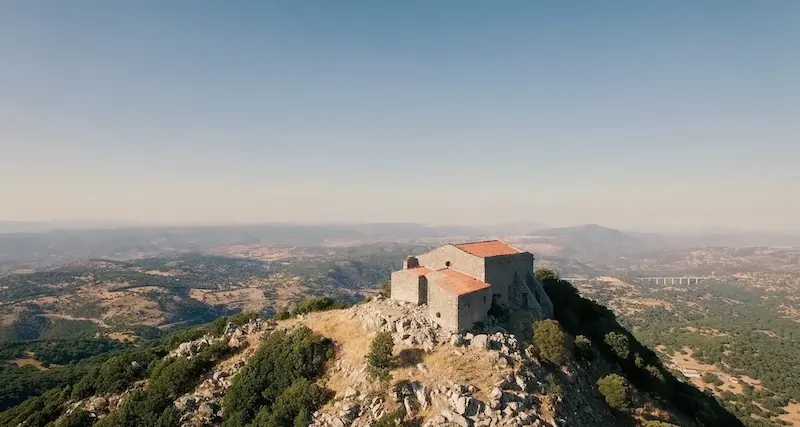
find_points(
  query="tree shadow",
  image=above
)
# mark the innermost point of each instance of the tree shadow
(409, 357)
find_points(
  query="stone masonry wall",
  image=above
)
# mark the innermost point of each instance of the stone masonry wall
(459, 260)
(442, 306)
(406, 286)
(473, 308)
(500, 272)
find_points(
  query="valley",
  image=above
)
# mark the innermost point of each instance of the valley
(733, 335)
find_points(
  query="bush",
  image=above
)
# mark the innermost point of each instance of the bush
(379, 358)
(77, 418)
(312, 304)
(615, 391)
(294, 406)
(551, 341)
(283, 359)
(385, 288)
(584, 349)
(711, 378)
(546, 274)
(391, 419)
(618, 344)
(553, 386)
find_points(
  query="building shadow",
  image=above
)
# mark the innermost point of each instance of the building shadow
(409, 357)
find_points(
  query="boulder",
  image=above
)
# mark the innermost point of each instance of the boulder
(480, 342)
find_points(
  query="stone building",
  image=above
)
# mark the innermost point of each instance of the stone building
(460, 282)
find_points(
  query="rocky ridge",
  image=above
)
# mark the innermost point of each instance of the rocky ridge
(485, 378)
(518, 398)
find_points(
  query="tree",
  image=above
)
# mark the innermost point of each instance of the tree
(379, 358)
(385, 288)
(615, 391)
(546, 274)
(584, 349)
(618, 344)
(551, 341)
(553, 386)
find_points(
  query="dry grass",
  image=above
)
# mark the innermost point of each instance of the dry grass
(444, 365)
(10, 314)
(260, 252)
(448, 364)
(161, 273)
(121, 336)
(686, 361)
(28, 360)
(352, 343)
(712, 332)
(793, 415)
(244, 298)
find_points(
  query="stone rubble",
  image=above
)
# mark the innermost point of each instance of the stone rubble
(203, 406)
(511, 402)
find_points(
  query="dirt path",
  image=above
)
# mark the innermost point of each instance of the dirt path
(97, 322)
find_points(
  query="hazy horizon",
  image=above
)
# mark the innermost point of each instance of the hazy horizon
(88, 224)
(632, 115)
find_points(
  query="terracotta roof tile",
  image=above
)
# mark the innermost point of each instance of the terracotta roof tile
(488, 248)
(419, 271)
(458, 283)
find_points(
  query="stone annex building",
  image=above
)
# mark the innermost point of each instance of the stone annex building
(460, 282)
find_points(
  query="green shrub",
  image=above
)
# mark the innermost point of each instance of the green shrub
(294, 406)
(584, 349)
(391, 419)
(77, 418)
(379, 358)
(283, 359)
(553, 386)
(657, 424)
(551, 341)
(618, 344)
(312, 304)
(546, 274)
(712, 378)
(615, 391)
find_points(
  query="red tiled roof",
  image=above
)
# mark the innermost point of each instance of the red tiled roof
(488, 248)
(458, 283)
(419, 271)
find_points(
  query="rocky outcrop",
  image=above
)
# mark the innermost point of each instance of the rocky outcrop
(408, 323)
(203, 406)
(517, 389)
(517, 399)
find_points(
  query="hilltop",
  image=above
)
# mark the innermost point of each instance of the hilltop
(311, 367)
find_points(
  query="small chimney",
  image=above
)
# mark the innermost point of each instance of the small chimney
(410, 262)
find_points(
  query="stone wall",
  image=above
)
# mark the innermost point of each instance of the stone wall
(406, 286)
(458, 260)
(473, 308)
(442, 306)
(538, 290)
(500, 273)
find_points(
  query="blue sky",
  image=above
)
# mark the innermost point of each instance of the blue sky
(624, 113)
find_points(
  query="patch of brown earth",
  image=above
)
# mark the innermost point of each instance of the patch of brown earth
(28, 360)
(244, 298)
(793, 414)
(260, 252)
(686, 362)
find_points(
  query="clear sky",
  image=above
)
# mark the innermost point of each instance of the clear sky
(623, 113)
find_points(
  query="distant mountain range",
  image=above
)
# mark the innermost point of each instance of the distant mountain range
(55, 242)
